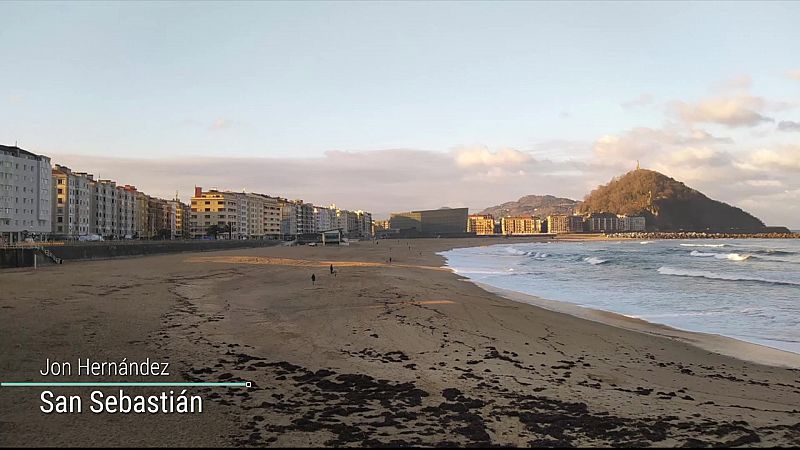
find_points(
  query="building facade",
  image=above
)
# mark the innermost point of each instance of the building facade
(563, 223)
(180, 212)
(432, 222)
(288, 218)
(25, 194)
(214, 208)
(603, 223)
(72, 203)
(479, 224)
(126, 212)
(364, 224)
(635, 223)
(520, 225)
(324, 218)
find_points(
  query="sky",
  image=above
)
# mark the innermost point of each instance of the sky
(392, 106)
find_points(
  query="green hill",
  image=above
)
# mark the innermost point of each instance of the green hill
(668, 205)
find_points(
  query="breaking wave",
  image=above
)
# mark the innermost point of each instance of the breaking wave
(664, 270)
(728, 256)
(595, 261)
(704, 245)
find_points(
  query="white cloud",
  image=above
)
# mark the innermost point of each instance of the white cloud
(764, 183)
(794, 74)
(482, 156)
(734, 111)
(784, 158)
(644, 144)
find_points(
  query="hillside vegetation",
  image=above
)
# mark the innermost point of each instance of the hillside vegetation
(667, 203)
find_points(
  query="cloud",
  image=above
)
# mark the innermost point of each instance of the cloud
(788, 125)
(379, 181)
(794, 74)
(642, 143)
(641, 100)
(735, 111)
(785, 158)
(482, 156)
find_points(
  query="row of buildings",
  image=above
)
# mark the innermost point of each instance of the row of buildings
(458, 221)
(38, 199)
(248, 215)
(556, 224)
(83, 206)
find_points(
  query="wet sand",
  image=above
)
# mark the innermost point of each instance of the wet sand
(400, 354)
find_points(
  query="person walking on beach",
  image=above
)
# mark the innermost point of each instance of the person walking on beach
(331, 269)
(313, 280)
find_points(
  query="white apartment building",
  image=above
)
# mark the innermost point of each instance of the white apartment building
(305, 218)
(125, 225)
(25, 196)
(104, 208)
(364, 224)
(324, 218)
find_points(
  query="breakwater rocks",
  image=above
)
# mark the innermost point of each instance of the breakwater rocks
(701, 235)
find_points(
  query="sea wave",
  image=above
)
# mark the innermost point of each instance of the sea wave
(595, 260)
(772, 252)
(728, 256)
(665, 270)
(477, 271)
(704, 245)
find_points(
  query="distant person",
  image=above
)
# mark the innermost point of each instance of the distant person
(390, 260)
(331, 269)
(313, 279)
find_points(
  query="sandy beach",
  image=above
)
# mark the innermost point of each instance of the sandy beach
(400, 353)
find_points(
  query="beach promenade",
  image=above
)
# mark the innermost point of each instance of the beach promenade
(400, 353)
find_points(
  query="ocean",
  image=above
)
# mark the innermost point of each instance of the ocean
(747, 289)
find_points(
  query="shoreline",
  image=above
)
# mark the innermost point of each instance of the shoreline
(716, 343)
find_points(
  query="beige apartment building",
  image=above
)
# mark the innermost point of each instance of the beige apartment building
(272, 218)
(563, 223)
(520, 225)
(480, 224)
(141, 221)
(72, 202)
(213, 208)
(179, 219)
